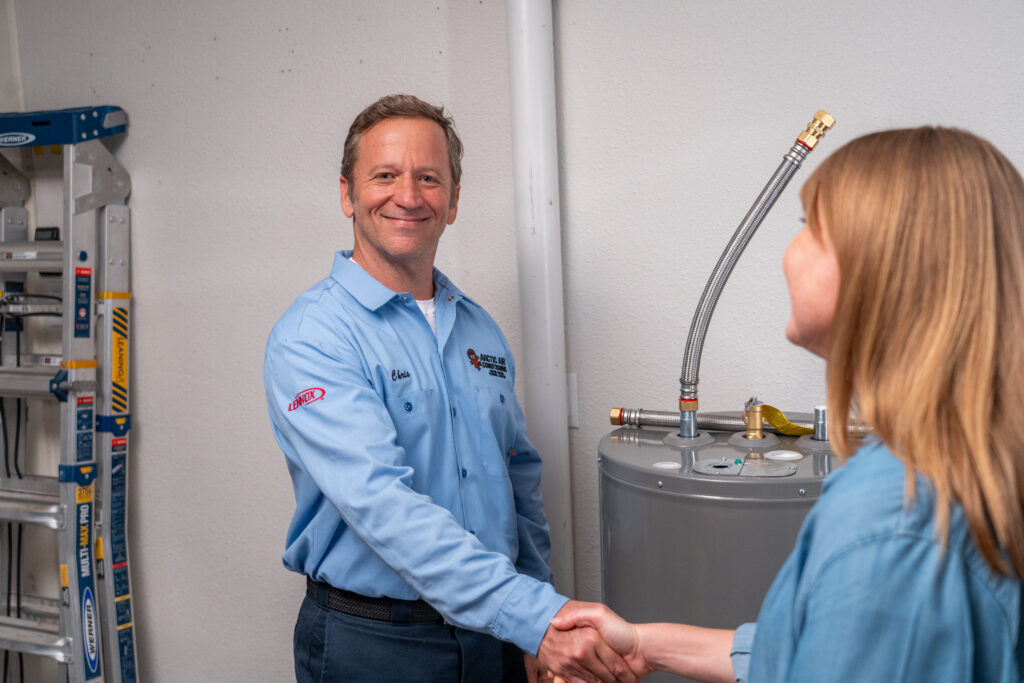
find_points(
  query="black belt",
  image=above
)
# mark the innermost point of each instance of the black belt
(380, 609)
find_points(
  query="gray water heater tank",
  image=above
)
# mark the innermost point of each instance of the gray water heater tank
(694, 531)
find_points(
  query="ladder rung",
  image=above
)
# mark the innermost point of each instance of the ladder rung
(32, 309)
(24, 257)
(33, 500)
(26, 381)
(31, 483)
(34, 607)
(35, 638)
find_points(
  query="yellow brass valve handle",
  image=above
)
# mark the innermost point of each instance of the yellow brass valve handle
(776, 418)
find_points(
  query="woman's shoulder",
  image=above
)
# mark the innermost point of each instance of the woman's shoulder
(865, 497)
(868, 569)
(867, 511)
(865, 523)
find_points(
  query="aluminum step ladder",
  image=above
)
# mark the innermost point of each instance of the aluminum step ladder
(89, 627)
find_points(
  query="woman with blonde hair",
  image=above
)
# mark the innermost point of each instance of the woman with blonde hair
(908, 278)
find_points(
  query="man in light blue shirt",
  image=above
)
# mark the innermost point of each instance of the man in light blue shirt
(418, 519)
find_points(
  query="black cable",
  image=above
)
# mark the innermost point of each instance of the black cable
(8, 612)
(3, 430)
(17, 613)
(17, 443)
(17, 437)
(7, 470)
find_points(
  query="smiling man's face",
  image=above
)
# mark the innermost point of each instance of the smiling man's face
(401, 196)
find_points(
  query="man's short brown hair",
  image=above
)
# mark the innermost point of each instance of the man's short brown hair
(398, 106)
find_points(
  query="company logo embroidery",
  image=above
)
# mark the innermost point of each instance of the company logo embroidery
(495, 365)
(306, 396)
(399, 374)
(15, 139)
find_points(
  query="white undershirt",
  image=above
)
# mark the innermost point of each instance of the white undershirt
(428, 306)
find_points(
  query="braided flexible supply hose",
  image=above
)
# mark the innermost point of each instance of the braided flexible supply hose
(727, 261)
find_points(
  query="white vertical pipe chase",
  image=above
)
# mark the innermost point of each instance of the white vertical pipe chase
(539, 256)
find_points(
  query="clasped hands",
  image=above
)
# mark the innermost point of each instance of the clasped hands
(587, 641)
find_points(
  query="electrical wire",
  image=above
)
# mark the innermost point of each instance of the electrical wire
(17, 442)
(7, 472)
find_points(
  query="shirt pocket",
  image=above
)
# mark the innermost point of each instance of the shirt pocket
(413, 414)
(496, 431)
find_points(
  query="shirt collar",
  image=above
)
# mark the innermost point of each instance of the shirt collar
(368, 291)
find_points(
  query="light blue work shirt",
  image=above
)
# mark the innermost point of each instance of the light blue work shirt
(869, 595)
(412, 473)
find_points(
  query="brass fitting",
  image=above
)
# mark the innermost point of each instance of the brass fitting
(753, 419)
(616, 416)
(687, 405)
(816, 129)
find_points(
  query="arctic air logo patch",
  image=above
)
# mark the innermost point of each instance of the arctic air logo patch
(495, 365)
(306, 396)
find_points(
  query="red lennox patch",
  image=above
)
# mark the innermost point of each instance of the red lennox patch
(306, 396)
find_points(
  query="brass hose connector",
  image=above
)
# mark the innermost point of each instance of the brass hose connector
(816, 129)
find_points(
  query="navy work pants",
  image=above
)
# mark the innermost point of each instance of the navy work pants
(331, 647)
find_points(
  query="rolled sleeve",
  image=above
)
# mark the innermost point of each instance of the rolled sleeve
(742, 641)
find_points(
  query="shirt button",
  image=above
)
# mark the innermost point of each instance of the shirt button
(472, 532)
(408, 407)
(502, 397)
(463, 472)
(454, 412)
(405, 298)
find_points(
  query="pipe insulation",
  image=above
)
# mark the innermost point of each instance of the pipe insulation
(539, 266)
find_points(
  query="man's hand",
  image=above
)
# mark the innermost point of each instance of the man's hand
(619, 634)
(535, 671)
(577, 652)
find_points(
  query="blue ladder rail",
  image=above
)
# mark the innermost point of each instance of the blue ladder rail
(61, 126)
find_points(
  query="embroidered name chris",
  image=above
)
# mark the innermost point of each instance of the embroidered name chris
(399, 374)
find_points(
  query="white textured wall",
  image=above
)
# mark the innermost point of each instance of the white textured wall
(672, 117)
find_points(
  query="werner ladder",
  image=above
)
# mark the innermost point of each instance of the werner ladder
(88, 629)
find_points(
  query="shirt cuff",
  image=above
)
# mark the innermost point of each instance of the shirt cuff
(742, 639)
(524, 616)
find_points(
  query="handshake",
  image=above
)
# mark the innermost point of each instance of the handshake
(587, 641)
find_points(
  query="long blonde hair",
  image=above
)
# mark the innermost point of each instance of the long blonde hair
(927, 344)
